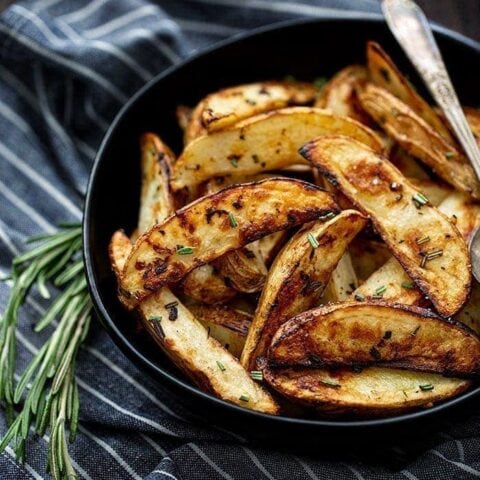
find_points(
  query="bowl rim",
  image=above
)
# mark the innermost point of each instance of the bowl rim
(123, 341)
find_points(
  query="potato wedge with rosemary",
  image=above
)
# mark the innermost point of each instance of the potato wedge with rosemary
(215, 225)
(367, 257)
(297, 278)
(190, 346)
(391, 283)
(265, 142)
(384, 73)
(386, 335)
(343, 281)
(226, 107)
(156, 200)
(418, 138)
(372, 392)
(339, 94)
(401, 215)
(226, 324)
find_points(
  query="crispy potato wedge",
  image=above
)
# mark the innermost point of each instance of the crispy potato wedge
(226, 107)
(184, 115)
(384, 73)
(342, 282)
(194, 127)
(372, 392)
(419, 139)
(156, 200)
(367, 257)
(266, 142)
(298, 277)
(206, 285)
(270, 245)
(187, 342)
(385, 335)
(227, 325)
(407, 164)
(339, 94)
(244, 269)
(204, 230)
(391, 278)
(401, 215)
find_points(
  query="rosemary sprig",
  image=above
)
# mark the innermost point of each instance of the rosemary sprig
(47, 386)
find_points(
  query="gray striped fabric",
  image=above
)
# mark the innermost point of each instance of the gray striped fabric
(66, 67)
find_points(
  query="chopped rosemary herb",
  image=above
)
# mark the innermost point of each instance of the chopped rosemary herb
(244, 398)
(157, 318)
(449, 154)
(319, 82)
(328, 216)
(313, 241)
(221, 366)
(426, 387)
(419, 199)
(184, 250)
(414, 333)
(381, 290)
(423, 240)
(256, 375)
(408, 285)
(233, 220)
(359, 297)
(435, 254)
(234, 162)
(329, 383)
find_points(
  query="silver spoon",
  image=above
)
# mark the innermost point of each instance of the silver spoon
(412, 31)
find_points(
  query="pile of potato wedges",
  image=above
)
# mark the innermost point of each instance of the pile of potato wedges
(306, 253)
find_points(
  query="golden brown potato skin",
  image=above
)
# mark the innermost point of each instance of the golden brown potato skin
(373, 392)
(265, 142)
(205, 226)
(380, 191)
(377, 334)
(419, 139)
(226, 107)
(188, 344)
(384, 73)
(298, 277)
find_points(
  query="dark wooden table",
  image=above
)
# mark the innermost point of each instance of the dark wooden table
(460, 15)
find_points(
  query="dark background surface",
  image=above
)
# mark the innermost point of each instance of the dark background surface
(460, 15)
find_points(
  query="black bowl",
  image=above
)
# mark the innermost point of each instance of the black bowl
(305, 49)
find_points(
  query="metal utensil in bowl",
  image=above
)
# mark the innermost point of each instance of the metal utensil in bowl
(410, 27)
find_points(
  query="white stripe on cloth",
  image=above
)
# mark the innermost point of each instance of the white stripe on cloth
(37, 178)
(66, 62)
(13, 117)
(21, 205)
(96, 118)
(307, 469)
(460, 465)
(111, 451)
(78, 39)
(124, 20)
(209, 461)
(408, 475)
(7, 241)
(257, 463)
(154, 444)
(166, 474)
(84, 12)
(355, 472)
(283, 7)
(43, 4)
(25, 465)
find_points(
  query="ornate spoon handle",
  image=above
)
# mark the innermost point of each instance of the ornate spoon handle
(412, 31)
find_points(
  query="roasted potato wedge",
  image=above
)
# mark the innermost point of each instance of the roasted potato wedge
(339, 94)
(156, 200)
(391, 279)
(206, 285)
(187, 342)
(244, 269)
(372, 392)
(342, 282)
(266, 142)
(184, 115)
(419, 139)
(367, 257)
(298, 277)
(384, 73)
(227, 325)
(194, 127)
(374, 334)
(214, 225)
(401, 215)
(270, 245)
(226, 107)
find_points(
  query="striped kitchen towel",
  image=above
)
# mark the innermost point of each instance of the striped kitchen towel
(66, 67)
